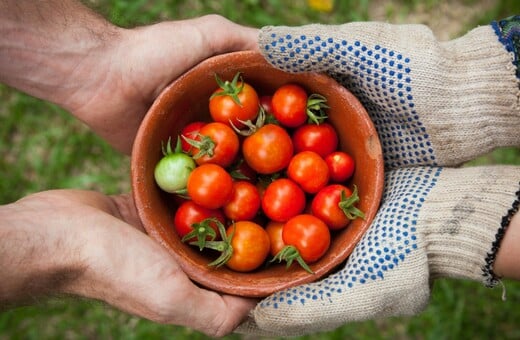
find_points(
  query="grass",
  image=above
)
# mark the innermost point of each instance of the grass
(35, 157)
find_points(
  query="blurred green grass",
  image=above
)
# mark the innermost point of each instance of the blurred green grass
(42, 147)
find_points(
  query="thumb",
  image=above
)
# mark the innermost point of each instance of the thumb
(222, 35)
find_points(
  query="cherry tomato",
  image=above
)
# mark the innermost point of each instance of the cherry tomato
(341, 166)
(309, 170)
(250, 244)
(309, 235)
(234, 101)
(266, 102)
(322, 138)
(210, 185)
(290, 105)
(282, 200)
(244, 202)
(240, 170)
(216, 143)
(189, 214)
(334, 205)
(190, 131)
(274, 230)
(268, 150)
(172, 171)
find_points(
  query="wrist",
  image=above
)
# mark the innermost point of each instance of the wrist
(38, 258)
(52, 49)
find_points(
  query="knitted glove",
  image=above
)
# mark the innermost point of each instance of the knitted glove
(433, 222)
(433, 103)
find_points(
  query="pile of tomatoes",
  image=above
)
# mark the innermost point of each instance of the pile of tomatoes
(264, 178)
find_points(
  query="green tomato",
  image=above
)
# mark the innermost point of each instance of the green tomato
(172, 171)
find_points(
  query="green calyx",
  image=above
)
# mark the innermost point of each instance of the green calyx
(346, 204)
(168, 149)
(224, 246)
(250, 127)
(204, 144)
(231, 89)
(289, 254)
(202, 232)
(316, 106)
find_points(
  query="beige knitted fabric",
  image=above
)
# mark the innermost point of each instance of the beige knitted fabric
(433, 222)
(433, 103)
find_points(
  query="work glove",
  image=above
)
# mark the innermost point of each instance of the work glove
(434, 104)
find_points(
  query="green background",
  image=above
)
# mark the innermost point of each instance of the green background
(42, 147)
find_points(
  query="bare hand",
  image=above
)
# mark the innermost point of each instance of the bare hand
(95, 247)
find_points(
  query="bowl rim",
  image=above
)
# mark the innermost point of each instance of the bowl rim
(208, 277)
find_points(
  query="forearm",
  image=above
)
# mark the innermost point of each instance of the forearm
(46, 47)
(37, 259)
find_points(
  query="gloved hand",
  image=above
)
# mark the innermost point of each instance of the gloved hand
(433, 222)
(434, 104)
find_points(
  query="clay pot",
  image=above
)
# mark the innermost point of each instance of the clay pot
(186, 100)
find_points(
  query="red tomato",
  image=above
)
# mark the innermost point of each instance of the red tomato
(309, 235)
(322, 139)
(274, 230)
(334, 205)
(309, 170)
(266, 102)
(341, 166)
(240, 170)
(234, 101)
(190, 131)
(268, 150)
(210, 185)
(250, 244)
(190, 213)
(282, 200)
(217, 143)
(290, 105)
(244, 202)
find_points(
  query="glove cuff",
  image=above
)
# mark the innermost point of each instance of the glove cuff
(466, 219)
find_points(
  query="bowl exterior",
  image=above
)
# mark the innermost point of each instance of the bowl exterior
(186, 100)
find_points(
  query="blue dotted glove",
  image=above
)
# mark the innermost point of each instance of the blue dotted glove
(434, 104)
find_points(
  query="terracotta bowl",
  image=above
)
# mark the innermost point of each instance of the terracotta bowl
(184, 101)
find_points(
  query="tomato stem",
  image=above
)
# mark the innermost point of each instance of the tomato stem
(168, 150)
(346, 204)
(224, 247)
(201, 231)
(205, 145)
(316, 105)
(231, 89)
(289, 254)
(251, 127)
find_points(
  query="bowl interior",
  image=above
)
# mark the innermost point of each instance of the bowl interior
(186, 100)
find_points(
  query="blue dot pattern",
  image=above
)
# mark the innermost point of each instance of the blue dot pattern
(381, 78)
(388, 242)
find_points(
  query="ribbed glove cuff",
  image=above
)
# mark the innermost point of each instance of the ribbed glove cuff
(466, 219)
